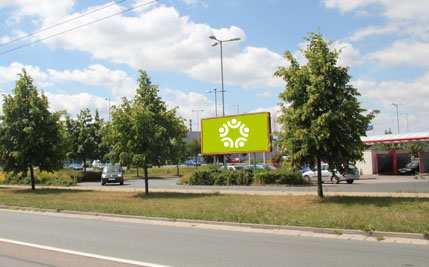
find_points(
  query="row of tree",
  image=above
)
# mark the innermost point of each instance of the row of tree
(142, 132)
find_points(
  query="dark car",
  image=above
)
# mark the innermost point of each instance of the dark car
(411, 168)
(112, 174)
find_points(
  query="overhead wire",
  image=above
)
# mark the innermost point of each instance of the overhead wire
(78, 27)
(89, 12)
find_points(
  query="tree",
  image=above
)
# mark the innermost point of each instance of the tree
(84, 137)
(30, 134)
(145, 128)
(322, 119)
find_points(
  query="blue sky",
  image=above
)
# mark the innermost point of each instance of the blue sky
(385, 44)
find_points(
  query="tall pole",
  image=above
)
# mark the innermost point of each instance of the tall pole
(215, 93)
(397, 114)
(221, 75)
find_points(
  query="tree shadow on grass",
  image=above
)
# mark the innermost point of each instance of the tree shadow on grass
(375, 201)
(168, 195)
(46, 191)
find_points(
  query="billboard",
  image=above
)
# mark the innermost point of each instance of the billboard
(242, 133)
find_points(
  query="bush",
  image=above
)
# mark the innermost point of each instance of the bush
(214, 176)
(61, 178)
(203, 177)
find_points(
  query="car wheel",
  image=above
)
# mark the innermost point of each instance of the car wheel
(121, 182)
(103, 182)
(350, 181)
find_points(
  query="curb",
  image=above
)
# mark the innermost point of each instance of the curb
(311, 230)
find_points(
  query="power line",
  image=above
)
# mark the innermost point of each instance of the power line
(77, 27)
(61, 23)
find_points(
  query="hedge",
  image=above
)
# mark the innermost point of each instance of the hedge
(214, 176)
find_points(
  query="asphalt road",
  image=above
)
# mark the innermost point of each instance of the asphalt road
(186, 246)
(391, 185)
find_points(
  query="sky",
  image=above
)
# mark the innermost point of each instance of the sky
(384, 43)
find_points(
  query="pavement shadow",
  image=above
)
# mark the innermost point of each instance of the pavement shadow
(375, 201)
(47, 191)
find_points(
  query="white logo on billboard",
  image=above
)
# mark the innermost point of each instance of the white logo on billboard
(228, 142)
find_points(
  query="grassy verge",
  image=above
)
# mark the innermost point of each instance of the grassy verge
(381, 214)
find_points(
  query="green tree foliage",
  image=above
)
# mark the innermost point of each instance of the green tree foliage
(322, 119)
(84, 137)
(30, 134)
(145, 129)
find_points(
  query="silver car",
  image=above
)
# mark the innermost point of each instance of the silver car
(112, 174)
(351, 174)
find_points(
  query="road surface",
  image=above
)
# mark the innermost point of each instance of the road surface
(187, 246)
(391, 185)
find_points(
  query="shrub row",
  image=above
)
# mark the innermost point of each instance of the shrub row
(215, 176)
(61, 178)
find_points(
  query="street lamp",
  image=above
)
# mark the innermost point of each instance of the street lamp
(220, 43)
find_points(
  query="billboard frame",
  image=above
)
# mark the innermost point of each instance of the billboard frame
(269, 134)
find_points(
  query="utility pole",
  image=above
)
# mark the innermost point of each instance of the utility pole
(397, 114)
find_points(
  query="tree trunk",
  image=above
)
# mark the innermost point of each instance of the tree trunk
(33, 181)
(146, 180)
(137, 171)
(84, 166)
(177, 170)
(319, 178)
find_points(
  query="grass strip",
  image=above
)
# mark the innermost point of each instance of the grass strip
(361, 213)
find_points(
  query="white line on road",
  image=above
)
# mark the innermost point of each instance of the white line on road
(83, 254)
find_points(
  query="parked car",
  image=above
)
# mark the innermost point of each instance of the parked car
(234, 160)
(75, 166)
(112, 174)
(349, 176)
(192, 162)
(97, 164)
(411, 168)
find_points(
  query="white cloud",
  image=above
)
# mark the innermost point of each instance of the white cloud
(118, 81)
(348, 54)
(403, 52)
(252, 67)
(10, 73)
(48, 10)
(160, 38)
(73, 103)
(413, 98)
(186, 102)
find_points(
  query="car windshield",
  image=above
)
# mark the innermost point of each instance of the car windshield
(112, 168)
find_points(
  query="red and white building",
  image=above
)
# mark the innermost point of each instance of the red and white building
(389, 161)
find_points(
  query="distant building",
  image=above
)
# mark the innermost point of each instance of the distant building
(389, 157)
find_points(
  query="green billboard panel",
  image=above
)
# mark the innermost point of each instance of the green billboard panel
(242, 133)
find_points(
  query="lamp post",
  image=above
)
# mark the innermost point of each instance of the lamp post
(220, 43)
(397, 114)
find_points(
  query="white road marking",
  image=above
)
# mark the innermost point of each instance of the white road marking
(83, 254)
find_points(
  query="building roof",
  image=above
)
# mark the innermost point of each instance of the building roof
(396, 138)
